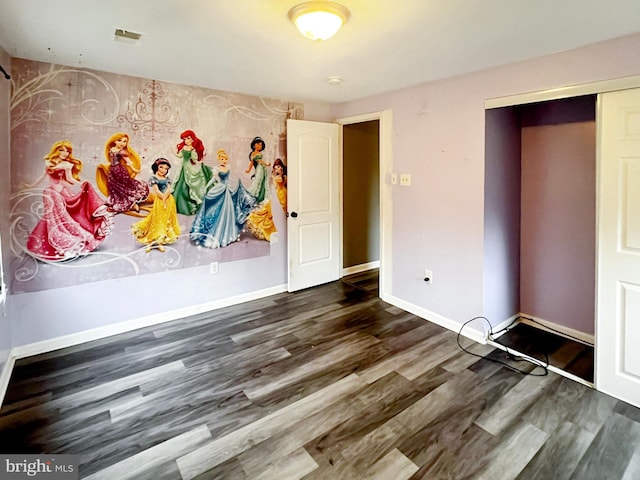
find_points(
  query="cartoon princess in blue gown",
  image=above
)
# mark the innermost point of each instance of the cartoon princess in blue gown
(224, 209)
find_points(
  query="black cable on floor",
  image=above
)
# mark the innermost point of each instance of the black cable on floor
(513, 356)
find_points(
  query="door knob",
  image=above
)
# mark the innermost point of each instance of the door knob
(294, 214)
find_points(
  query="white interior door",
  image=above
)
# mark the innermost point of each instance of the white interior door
(618, 309)
(313, 201)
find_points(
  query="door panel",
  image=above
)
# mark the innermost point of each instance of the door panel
(618, 318)
(313, 225)
(631, 207)
(629, 324)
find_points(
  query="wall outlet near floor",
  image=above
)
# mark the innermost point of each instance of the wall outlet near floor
(213, 268)
(405, 179)
(428, 277)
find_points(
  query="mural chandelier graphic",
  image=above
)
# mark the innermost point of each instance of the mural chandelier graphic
(148, 115)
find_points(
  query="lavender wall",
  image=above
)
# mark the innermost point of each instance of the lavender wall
(439, 138)
(502, 199)
(558, 212)
(46, 314)
(5, 319)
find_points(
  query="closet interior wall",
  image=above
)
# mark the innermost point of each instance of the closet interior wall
(540, 200)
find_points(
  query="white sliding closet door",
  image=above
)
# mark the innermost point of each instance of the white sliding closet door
(618, 282)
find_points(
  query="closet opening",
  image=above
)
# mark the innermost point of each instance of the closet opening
(540, 231)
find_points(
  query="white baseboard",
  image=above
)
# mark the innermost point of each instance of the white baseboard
(363, 267)
(500, 328)
(469, 331)
(587, 338)
(123, 327)
(7, 369)
(52, 344)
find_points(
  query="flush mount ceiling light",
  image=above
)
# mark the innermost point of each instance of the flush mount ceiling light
(319, 20)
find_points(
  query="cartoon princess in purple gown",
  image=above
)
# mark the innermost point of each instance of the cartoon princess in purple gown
(117, 178)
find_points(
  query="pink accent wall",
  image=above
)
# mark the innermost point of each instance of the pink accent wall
(438, 137)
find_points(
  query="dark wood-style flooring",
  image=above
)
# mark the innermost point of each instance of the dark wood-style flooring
(327, 383)
(571, 356)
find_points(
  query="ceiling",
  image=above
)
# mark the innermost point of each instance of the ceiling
(249, 46)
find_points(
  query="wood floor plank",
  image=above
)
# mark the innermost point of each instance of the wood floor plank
(513, 453)
(119, 384)
(451, 444)
(592, 410)
(612, 449)
(510, 407)
(374, 445)
(288, 325)
(462, 360)
(393, 465)
(632, 471)
(292, 467)
(58, 412)
(229, 469)
(133, 466)
(560, 455)
(549, 411)
(347, 346)
(339, 416)
(358, 320)
(440, 352)
(404, 359)
(221, 449)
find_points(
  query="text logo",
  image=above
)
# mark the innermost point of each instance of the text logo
(39, 467)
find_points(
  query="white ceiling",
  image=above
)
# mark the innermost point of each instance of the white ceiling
(249, 46)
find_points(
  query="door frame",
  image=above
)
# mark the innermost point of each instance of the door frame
(385, 207)
(593, 88)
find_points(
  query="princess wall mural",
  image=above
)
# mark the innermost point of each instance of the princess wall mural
(112, 176)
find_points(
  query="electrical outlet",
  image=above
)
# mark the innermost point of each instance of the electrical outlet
(428, 277)
(405, 179)
(394, 179)
(213, 268)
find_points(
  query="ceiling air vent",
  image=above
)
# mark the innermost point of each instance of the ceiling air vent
(127, 36)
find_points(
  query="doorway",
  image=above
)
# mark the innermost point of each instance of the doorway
(540, 226)
(360, 197)
(366, 196)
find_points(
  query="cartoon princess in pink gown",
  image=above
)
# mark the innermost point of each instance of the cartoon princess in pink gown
(73, 224)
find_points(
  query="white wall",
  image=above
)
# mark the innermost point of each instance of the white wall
(439, 139)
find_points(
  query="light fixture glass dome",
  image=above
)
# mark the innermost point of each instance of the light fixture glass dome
(319, 20)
